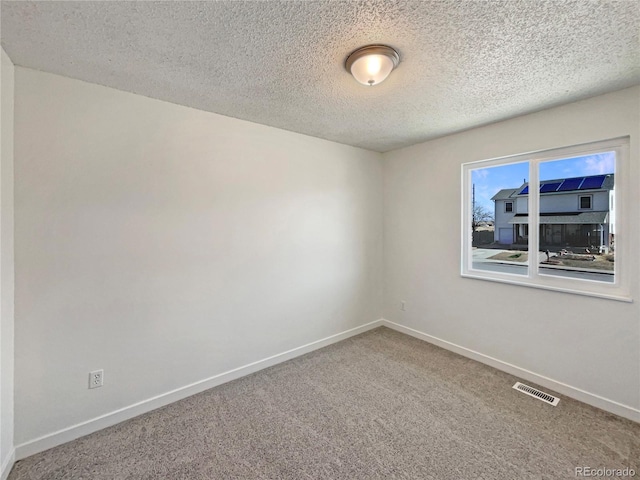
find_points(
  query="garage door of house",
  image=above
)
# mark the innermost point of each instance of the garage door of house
(506, 235)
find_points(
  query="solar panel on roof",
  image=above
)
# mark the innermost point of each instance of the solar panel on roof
(524, 191)
(549, 187)
(593, 182)
(570, 184)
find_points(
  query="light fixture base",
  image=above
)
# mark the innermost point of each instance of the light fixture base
(372, 64)
(372, 50)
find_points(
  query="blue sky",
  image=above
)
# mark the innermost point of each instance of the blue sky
(489, 181)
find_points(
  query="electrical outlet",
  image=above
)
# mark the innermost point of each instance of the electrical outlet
(96, 378)
(403, 305)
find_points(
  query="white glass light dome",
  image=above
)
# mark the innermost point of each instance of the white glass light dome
(371, 65)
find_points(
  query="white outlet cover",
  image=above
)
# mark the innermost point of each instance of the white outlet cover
(96, 378)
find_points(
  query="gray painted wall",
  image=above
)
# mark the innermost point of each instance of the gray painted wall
(167, 245)
(6, 262)
(587, 343)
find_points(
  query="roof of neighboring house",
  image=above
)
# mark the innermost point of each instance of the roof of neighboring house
(565, 185)
(505, 193)
(564, 218)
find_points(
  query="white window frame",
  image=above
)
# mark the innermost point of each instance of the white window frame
(619, 289)
(505, 207)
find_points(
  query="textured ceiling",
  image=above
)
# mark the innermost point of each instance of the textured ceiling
(463, 63)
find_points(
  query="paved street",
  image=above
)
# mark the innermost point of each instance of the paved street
(481, 262)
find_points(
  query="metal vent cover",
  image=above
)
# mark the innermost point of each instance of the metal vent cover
(535, 393)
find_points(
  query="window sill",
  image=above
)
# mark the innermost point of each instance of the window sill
(525, 281)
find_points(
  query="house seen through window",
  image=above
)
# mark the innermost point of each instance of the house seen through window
(550, 218)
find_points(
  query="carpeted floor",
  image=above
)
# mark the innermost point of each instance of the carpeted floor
(379, 405)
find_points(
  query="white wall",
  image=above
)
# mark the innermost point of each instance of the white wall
(588, 343)
(570, 202)
(6, 264)
(166, 245)
(559, 202)
(501, 218)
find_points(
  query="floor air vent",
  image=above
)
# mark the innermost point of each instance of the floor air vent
(535, 393)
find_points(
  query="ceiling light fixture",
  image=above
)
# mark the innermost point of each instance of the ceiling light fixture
(372, 64)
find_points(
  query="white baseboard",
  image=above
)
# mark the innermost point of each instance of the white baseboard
(7, 465)
(562, 388)
(93, 425)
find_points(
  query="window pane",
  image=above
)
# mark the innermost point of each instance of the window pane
(499, 220)
(585, 202)
(576, 218)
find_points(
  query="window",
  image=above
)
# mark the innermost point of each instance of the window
(585, 202)
(553, 219)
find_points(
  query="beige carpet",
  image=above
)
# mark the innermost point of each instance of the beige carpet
(380, 405)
